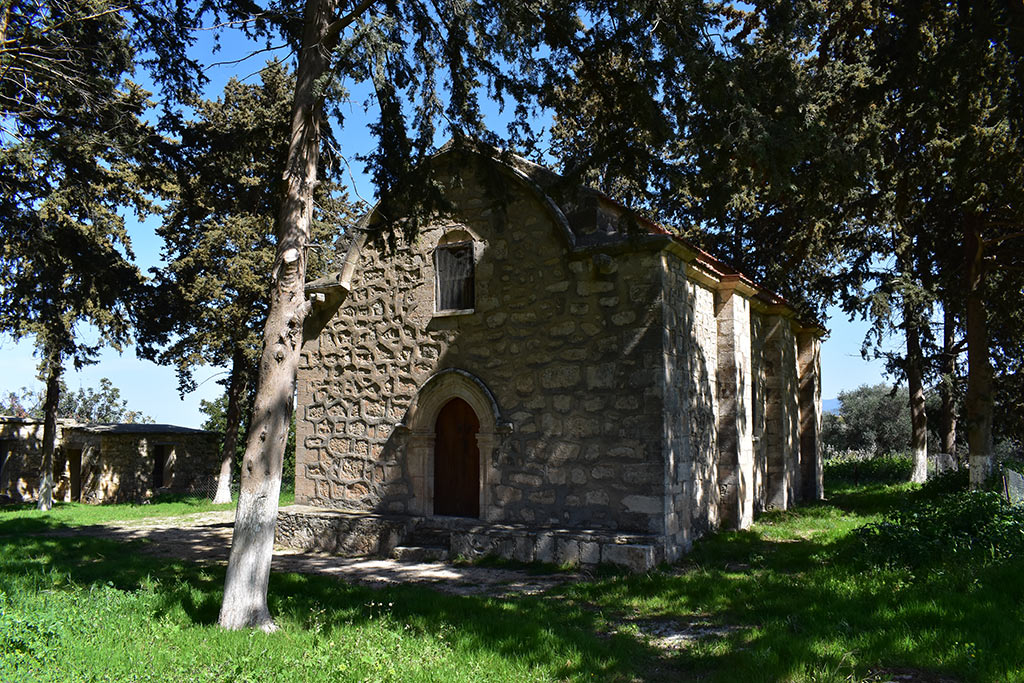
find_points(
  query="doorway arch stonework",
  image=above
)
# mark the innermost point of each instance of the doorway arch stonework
(419, 425)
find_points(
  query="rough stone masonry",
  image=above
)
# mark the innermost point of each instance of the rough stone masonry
(621, 384)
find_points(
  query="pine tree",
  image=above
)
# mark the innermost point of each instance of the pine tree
(209, 303)
(718, 120)
(427, 63)
(72, 135)
(942, 80)
(807, 142)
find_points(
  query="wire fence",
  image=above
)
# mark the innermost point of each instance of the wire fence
(206, 487)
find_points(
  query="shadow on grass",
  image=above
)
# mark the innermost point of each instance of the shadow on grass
(799, 607)
(808, 610)
(812, 608)
(186, 498)
(34, 524)
(570, 642)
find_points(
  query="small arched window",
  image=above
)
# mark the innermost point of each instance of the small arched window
(454, 272)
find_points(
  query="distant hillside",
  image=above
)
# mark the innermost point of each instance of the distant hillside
(830, 405)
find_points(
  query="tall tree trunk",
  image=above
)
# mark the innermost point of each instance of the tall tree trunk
(53, 372)
(238, 385)
(918, 415)
(979, 402)
(252, 544)
(947, 422)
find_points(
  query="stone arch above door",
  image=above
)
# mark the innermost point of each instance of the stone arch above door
(419, 425)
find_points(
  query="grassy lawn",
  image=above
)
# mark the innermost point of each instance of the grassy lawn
(25, 518)
(791, 600)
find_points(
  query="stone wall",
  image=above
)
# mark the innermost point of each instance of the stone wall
(340, 533)
(120, 467)
(690, 407)
(775, 350)
(568, 344)
(113, 466)
(194, 460)
(351, 534)
(20, 457)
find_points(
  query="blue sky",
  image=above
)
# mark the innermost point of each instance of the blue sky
(152, 389)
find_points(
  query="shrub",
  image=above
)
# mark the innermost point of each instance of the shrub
(871, 418)
(1015, 463)
(944, 483)
(862, 468)
(963, 529)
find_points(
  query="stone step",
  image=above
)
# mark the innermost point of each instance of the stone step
(440, 538)
(419, 553)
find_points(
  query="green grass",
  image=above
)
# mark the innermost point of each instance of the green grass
(25, 518)
(790, 600)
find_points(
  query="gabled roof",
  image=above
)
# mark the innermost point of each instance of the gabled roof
(583, 208)
(591, 220)
(107, 427)
(141, 428)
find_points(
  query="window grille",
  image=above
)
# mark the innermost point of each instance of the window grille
(454, 277)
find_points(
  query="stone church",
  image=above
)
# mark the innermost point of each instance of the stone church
(543, 374)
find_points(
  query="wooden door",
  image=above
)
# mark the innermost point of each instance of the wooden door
(159, 463)
(457, 461)
(75, 465)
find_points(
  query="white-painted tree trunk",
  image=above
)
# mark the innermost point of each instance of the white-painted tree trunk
(980, 400)
(237, 386)
(248, 573)
(918, 415)
(223, 494)
(46, 484)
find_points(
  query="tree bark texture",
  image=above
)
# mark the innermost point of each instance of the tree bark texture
(252, 544)
(979, 402)
(238, 384)
(46, 484)
(947, 422)
(918, 415)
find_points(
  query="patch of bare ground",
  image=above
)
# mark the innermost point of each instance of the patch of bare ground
(676, 634)
(206, 538)
(902, 675)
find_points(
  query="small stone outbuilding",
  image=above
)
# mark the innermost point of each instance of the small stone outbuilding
(543, 374)
(107, 462)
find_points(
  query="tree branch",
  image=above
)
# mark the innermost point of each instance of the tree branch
(998, 240)
(90, 17)
(248, 56)
(335, 28)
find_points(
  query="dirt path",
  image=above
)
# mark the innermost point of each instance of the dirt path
(206, 537)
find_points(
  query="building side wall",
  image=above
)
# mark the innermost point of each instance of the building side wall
(114, 467)
(568, 344)
(21, 458)
(774, 350)
(120, 467)
(690, 416)
(736, 472)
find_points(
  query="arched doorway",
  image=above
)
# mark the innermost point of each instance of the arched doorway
(457, 461)
(421, 444)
